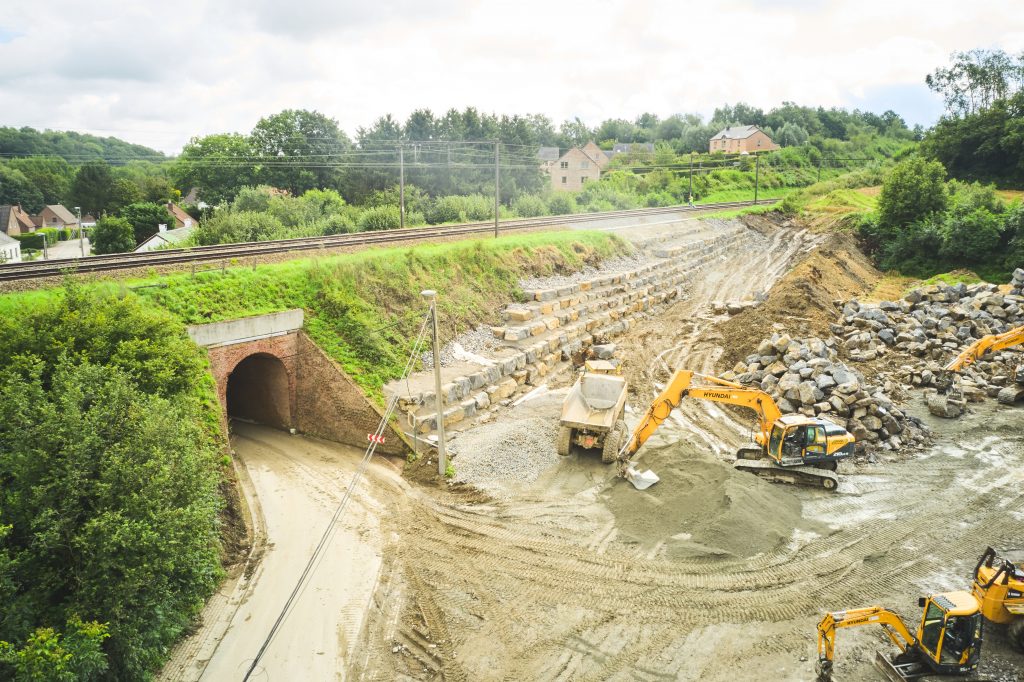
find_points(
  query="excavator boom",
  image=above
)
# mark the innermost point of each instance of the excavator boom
(986, 344)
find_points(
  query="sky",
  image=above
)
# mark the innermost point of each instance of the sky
(159, 73)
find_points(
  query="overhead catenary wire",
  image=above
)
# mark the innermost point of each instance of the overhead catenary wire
(339, 510)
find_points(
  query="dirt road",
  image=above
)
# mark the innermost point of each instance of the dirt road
(294, 485)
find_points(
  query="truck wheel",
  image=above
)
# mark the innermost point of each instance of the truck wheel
(612, 441)
(1016, 632)
(564, 441)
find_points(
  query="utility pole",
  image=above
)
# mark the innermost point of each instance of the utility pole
(757, 174)
(81, 231)
(497, 178)
(442, 455)
(401, 187)
(689, 192)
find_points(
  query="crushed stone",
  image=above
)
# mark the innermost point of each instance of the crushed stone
(509, 451)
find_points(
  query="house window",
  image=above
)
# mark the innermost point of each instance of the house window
(584, 165)
(583, 180)
(564, 179)
(564, 165)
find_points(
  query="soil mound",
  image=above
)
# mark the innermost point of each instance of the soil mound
(702, 507)
(802, 301)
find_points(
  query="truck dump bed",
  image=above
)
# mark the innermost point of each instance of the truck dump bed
(594, 402)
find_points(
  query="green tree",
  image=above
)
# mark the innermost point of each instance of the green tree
(15, 188)
(230, 227)
(914, 191)
(297, 150)
(73, 656)
(379, 218)
(112, 235)
(92, 187)
(123, 192)
(218, 165)
(146, 219)
(50, 175)
(110, 447)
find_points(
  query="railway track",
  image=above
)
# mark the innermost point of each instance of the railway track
(198, 254)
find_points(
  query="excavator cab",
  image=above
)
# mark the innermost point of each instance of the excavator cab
(796, 440)
(950, 635)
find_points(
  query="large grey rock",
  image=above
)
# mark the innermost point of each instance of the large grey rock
(782, 343)
(943, 406)
(825, 381)
(1010, 394)
(788, 381)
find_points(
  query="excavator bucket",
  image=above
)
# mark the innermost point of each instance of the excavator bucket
(641, 480)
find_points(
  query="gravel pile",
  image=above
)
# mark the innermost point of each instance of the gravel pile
(611, 266)
(512, 450)
(479, 341)
(934, 324)
(806, 376)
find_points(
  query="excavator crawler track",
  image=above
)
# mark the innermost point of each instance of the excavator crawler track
(798, 475)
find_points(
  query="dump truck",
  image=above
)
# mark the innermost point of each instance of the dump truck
(999, 587)
(592, 412)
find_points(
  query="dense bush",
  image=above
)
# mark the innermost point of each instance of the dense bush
(380, 218)
(228, 227)
(108, 457)
(529, 206)
(446, 210)
(914, 191)
(146, 219)
(113, 235)
(561, 203)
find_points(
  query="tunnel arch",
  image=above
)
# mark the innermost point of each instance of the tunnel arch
(259, 389)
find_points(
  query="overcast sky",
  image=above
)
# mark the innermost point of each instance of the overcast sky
(160, 73)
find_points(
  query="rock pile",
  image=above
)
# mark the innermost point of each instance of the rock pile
(806, 376)
(934, 323)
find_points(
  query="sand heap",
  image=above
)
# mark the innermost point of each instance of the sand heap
(703, 506)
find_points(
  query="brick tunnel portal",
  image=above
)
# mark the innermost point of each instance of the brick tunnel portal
(258, 390)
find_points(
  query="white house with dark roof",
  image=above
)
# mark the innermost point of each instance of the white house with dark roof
(739, 139)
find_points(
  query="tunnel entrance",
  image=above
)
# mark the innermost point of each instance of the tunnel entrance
(258, 390)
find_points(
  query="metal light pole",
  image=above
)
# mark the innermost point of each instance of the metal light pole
(442, 455)
(689, 192)
(81, 231)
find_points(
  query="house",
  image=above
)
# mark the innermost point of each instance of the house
(167, 239)
(572, 170)
(597, 154)
(13, 220)
(739, 139)
(55, 215)
(181, 219)
(10, 249)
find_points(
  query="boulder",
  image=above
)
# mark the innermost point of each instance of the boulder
(943, 406)
(1010, 394)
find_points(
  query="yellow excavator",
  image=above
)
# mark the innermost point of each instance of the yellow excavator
(948, 641)
(999, 588)
(789, 449)
(986, 344)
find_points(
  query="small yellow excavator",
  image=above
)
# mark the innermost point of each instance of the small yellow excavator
(948, 641)
(999, 588)
(789, 449)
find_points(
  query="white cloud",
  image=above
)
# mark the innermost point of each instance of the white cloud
(158, 76)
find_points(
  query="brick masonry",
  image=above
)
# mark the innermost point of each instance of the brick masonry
(321, 399)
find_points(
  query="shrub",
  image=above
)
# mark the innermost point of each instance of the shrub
(113, 235)
(252, 198)
(446, 210)
(561, 203)
(479, 207)
(337, 224)
(529, 206)
(228, 227)
(380, 218)
(972, 237)
(914, 191)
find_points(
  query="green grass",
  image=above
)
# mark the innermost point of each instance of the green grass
(728, 213)
(722, 196)
(365, 308)
(951, 278)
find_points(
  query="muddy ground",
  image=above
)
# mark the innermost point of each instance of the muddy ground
(710, 575)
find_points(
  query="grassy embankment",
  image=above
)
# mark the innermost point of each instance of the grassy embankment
(364, 309)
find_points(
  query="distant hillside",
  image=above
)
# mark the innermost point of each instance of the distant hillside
(74, 147)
